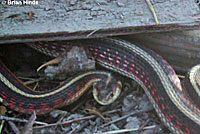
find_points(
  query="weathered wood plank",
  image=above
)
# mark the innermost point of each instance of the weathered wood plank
(62, 20)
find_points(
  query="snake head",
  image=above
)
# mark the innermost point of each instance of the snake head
(105, 92)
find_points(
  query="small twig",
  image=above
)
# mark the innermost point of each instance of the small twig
(51, 62)
(127, 130)
(28, 128)
(124, 117)
(74, 130)
(181, 76)
(25, 78)
(143, 125)
(94, 111)
(82, 126)
(36, 85)
(94, 31)
(32, 81)
(76, 120)
(19, 120)
(14, 127)
(2, 124)
(153, 11)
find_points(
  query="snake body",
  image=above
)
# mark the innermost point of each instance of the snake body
(158, 79)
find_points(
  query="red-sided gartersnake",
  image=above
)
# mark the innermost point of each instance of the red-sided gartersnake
(159, 81)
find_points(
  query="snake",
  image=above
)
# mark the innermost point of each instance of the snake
(176, 109)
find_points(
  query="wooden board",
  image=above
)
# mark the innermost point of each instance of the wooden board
(73, 19)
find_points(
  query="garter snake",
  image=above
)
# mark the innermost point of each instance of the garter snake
(180, 113)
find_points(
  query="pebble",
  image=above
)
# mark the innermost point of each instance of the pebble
(132, 122)
(119, 4)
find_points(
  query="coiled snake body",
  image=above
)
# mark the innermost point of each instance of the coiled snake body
(179, 113)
